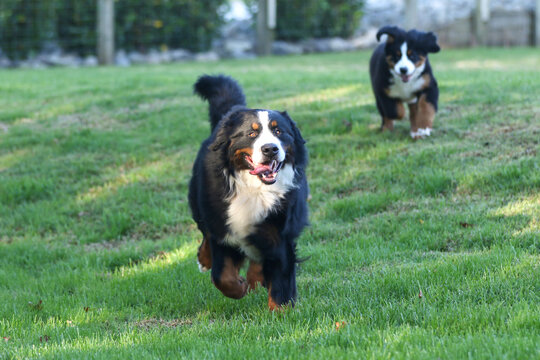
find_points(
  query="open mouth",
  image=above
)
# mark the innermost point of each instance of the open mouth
(266, 172)
(405, 78)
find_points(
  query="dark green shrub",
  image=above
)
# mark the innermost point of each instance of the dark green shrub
(26, 25)
(188, 24)
(301, 19)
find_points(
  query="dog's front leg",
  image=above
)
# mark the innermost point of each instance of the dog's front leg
(226, 262)
(204, 255)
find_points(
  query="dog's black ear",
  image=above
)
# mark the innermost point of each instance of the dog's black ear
(297, 136)
(220, 140)
(429, 41)
(392, 31)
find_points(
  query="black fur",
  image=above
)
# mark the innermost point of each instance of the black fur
(419, 44)
(210, 189)
(222, 94)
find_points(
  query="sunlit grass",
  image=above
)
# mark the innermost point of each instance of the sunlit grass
(416, 249)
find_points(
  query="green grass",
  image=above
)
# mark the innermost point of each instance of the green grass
(97, 245)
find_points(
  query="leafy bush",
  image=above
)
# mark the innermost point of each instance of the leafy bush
(188, 24)
(26, 26)
(300, 19)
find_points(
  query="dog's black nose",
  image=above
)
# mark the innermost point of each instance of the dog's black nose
(403, 70)
(269, 150)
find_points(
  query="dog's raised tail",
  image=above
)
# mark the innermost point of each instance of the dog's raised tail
(222, 94)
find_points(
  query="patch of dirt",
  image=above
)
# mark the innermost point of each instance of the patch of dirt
(149, 324)
(91, 120)
(104, 245)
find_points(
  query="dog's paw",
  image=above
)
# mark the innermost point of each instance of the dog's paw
(421, 133)
(202, 268)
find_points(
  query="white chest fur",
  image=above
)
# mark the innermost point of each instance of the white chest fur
(405, 90)
(250, 203)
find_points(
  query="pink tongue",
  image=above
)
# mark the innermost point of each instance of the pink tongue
(260, 169)
(405, 78)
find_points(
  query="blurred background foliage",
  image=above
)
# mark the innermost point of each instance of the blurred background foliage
(29, 26)
(304, 19)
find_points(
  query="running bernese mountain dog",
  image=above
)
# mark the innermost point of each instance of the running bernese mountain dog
(400, 72)
(248, 194)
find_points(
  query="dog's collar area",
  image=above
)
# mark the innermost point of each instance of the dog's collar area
(267, 173)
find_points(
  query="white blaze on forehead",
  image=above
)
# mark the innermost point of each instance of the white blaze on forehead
(266, 136)
(404, 61)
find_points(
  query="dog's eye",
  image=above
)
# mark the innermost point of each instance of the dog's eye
(277, 131)
(253, 134)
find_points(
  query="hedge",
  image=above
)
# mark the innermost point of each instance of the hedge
(29, 26)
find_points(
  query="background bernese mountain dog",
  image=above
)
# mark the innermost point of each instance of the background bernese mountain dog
(248, 194)
(400, 72)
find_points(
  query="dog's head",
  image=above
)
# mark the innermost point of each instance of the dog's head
(406, 51)
(260, 142)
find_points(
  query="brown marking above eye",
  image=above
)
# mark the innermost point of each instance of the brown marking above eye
(398, 53)
(255, 126)
(409, 52)
(389, 60)
(273, 123)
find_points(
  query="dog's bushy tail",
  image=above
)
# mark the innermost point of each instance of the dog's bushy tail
(222, 94)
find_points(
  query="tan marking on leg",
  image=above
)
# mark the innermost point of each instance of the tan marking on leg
(230, 283)
(388, 124)
(425, 114)
(204, 255)
(272, 305)
(400, 109)
(254, 275)
(413, 109)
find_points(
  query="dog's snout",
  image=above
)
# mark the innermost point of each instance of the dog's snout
(269, 150)
(403, 70)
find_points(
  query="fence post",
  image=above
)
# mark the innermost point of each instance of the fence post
(411, 14)
(105, 32)
(266, 23)
(481, 18)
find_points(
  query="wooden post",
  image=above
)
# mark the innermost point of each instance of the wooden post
(481, 18)
(266, 23)
(411, 14)
(537, 23)
(105, 32)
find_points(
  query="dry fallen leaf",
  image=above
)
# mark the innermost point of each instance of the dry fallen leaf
(340, 325)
